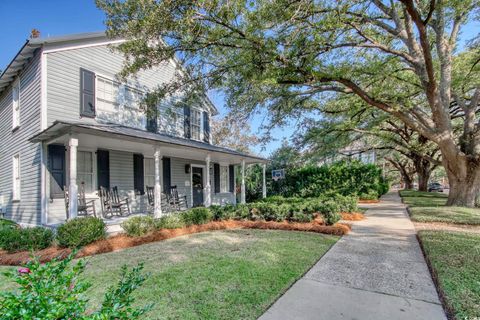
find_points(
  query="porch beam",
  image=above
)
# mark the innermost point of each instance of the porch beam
(208, 187)
(264, 183)
(242, 188)
(158, 187)
(72, 186)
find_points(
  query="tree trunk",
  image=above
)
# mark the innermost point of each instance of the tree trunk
(424, 169)
(464, 179)
(407, 180)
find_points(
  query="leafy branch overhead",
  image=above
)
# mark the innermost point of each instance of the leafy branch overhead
(290, 57)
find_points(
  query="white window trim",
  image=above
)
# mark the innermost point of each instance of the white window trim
(204, 170)
(227, 181)
(200, 111)
(17, 181)
(16, 113)
(94, 170)
(145, 175)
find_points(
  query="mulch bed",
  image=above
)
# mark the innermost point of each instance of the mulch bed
(352, 216)
(368, 201)
(123, 241)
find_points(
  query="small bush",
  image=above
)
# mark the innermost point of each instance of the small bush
(5, 223)
(330, 212)
(139, 225)
(301, 217)
(225, 212)
(269, 211)
(79, 232)
(241, 212)
(21, 239)
(371, 195)
(197, 216)
(173, 221)
(346, 203)
(57, 290)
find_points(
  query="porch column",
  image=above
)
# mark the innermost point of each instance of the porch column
(264, 185)
(157, 212)
(72, 186)
(242, 189)
(208, 188)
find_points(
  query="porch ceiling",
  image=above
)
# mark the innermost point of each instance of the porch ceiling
(118, 137)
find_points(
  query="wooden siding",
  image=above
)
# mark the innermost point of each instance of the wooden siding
(63, 82)
(28, 209)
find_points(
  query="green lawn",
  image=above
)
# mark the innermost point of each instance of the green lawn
(233, 274)
(430, 207)
(455, 259)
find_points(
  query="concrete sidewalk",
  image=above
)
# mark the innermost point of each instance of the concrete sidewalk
(375, 272)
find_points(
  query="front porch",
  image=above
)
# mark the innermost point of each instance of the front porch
(95, 156)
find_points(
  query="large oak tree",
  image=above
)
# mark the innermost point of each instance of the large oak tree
(288, 56)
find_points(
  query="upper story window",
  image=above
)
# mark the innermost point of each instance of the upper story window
(107, 94)
(195, 124)
(16, 104)
(132, 98)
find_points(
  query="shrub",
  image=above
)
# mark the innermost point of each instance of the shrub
(269, 211)
(5, 223)
(241, 212)
(139, 225)
(225, 212)
(371, 195)
(330, 211)
(346, 203)
(197, 216)
(79, 232)
(301, 217)
(57, 290)
(173, 221)
(21, 239)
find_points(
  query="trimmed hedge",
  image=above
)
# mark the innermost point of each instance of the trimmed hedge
(21, 239)
(344, 177)
(139, 225)
(79, 232)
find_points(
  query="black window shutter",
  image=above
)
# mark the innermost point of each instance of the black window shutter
(231, 177)
(103, 168)
(167, 180)
(186, 121)
(87, 93)
(152, 114)
(206, 127)
(216, 177)
(138, 177)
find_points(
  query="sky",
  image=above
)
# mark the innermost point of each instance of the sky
(60, 17)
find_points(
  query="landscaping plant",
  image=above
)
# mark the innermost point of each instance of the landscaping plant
(14, 239)
(139, 225)
(198, 215)
(56, 290)
(79, 232)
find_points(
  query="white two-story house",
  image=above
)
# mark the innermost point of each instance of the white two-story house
(66, 121)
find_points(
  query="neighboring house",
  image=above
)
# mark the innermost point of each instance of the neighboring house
(65, 120)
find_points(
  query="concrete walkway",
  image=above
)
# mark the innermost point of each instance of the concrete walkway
(375, 272)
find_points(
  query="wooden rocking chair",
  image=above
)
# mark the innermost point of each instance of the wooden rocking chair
(177, 201)
(165, 204)
(85, 207)
(112, 204)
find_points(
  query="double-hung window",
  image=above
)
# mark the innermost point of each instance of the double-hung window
(149, 172)
(133, 98)
(107, 94)
(85, 169)
(224, 179)
(196, 124)
(16, 104)
(16, 177)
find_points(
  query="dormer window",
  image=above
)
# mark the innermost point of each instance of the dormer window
(16, 104)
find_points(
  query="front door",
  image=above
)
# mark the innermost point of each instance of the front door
(197, 186)
(56, 166)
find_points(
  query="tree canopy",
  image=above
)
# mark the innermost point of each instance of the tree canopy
(289, 57)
